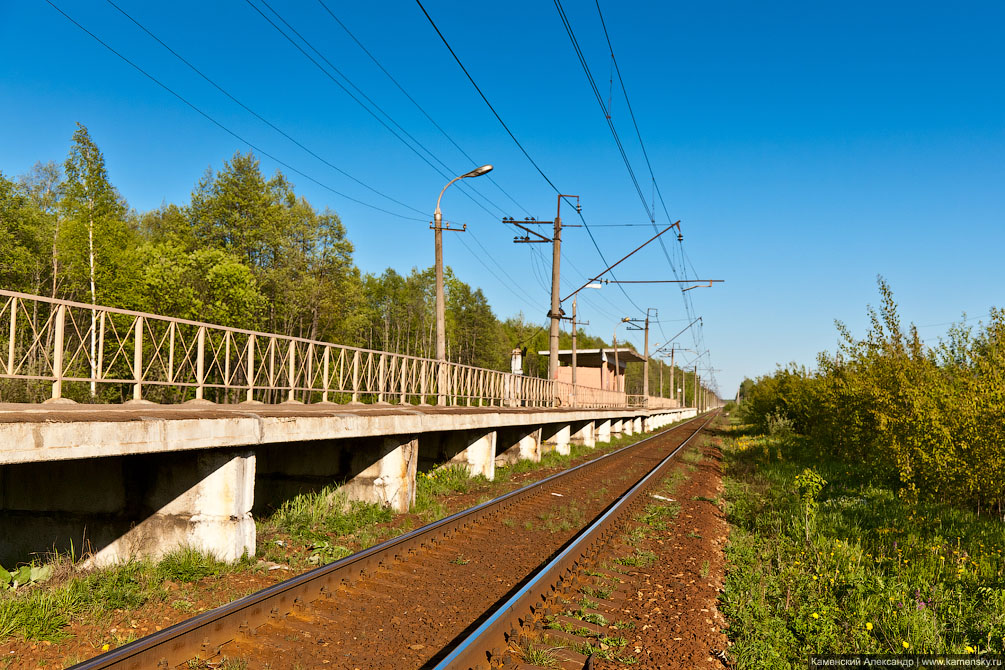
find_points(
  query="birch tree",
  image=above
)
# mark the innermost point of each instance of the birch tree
(94, 215)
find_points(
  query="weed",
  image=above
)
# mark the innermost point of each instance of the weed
(673, 482)
(190, 565)
(704, 569)
(460, 560)
(692, 456)
(509, 523)
(638, 559)
(555, 624)
(36, 614)
(602, 592)
(594, 618)
(539, 656)
(694, 534)
(658, 516)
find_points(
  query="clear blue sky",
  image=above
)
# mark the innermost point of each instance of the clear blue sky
(806, 148)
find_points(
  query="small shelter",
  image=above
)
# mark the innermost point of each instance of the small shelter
(595, 367)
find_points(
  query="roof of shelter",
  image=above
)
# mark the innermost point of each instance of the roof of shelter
(595, 358)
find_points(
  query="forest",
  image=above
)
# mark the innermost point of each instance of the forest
(246, 251)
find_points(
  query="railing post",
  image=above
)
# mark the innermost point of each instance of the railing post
(292, 362)
(381, 373)
(13, 336)
(251, 367)
(441, 382)
(272, 367)
(200, 362)
(172, 327)
(401, 377)
(138, 360)
(101, 344)
(57, 352)
(355, 376)
(327, 363)
(309, 379)
(423, 371)
(226, 362)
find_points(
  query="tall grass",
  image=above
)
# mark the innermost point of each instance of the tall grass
(876, 574)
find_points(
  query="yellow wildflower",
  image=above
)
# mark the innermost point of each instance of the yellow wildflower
(868, 625)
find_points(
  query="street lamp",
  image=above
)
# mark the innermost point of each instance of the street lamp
(441, 336)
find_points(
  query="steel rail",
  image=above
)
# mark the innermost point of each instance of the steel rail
(203, 635)
(489, 639)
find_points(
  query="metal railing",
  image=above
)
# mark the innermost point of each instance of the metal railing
(94, 353)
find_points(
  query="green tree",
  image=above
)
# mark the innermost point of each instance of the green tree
(96, 243)
(22, 260)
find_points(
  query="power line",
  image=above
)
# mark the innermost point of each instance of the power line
(477, 257)
(415, 102)
(351, 95)
(600, 101)
(220, 125)
(688, 304)
(517, 142)
(256, 114)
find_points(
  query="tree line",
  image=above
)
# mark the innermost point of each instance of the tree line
(246, 251)
(932, 418)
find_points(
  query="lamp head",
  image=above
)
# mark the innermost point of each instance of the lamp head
(478, 172)
(594, 285)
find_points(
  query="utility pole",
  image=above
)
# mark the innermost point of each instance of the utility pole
(575, 327)
(673, 389)
(555, 313)
(645, 364)
(695, 391)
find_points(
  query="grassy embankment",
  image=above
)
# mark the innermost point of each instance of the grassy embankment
(307, 530)
(858, 570)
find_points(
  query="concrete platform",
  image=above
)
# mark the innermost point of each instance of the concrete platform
(141, 480)
(35, 433)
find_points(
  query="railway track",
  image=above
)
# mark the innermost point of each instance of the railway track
(461, 592)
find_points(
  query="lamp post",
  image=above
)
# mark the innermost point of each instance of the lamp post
(441, 336)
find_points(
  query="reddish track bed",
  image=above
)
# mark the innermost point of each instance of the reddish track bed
(673, 602)
(405, 615)
(85, 638)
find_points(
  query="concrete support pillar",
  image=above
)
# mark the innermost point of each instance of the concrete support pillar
(556, 438)
(628, 426)
(218, 509)
(385, 470)
(617, 428)
(474, 449)
(516, 444)
(637, 424)
(582, 432)
(122, 507)
(603, 431)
